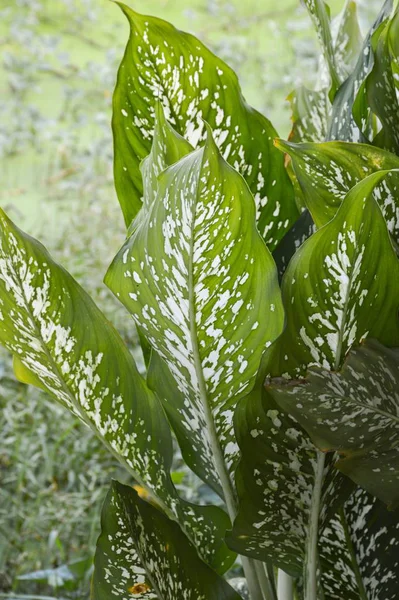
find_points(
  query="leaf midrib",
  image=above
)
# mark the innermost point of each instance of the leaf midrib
(219, 462)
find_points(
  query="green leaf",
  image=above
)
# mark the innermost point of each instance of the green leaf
(338, 288)
(348, 39)
(141, 553)
(200, 282)
(354, 412)
(310, 110)
(193, 86)
(275, 482)
(63, 343)
(374, 532)
(343, 125)
(326, 172)
(320, 15)
(377, 96)
(167, 148)
(293, 239)
(162, 382)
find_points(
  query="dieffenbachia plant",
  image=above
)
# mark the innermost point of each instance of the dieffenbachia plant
(277, 374)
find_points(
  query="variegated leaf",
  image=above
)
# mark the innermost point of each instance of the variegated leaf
(354, 412)
(377, 97)
(320, 15)
(201, 284)
(326, 172)
(311, 109)
(64, 344)
(338, 288)
(310, 113)
(276, 481)
(348, 38)
(143, 554)
(194, 86)
(167, 148)
(374, 533)
(343, 125)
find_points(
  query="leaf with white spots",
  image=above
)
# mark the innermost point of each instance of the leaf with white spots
(200, 282)
(320, 15)
(167, 148)
(310, 111)
(326, 172)
(374, 533)
(348, 38)
(194, 86)
(63, 343)
(355, 412)
(339, 288)
(343, 124)
(276, 485)
(377, 97)
(143, 554)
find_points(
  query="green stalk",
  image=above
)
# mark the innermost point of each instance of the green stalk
(311, 555)
(266, 580)
(285, 586)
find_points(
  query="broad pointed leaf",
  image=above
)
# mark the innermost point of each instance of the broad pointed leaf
(64, 344)
(202, 285)
(141, 553)
(194, 86)
(275, 482)
(311, 109)
(377, 95)
(338, 288)
(167, 148)
(320, 15)
(343, 125)
(326, 172)
(374, 532)
(348, 39)
(356, 412)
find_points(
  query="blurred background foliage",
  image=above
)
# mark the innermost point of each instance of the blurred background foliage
(57, 70)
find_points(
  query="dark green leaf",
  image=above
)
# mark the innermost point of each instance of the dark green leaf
(141, 553)
(355, 412)
(293, 239)
(275, 482)
(193, 86)
(374, 532)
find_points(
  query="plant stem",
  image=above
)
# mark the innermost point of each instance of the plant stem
(355, 565)
(285, 586)
(311, 556)
(266, 580)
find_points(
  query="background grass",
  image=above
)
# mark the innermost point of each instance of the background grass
(56, 78)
